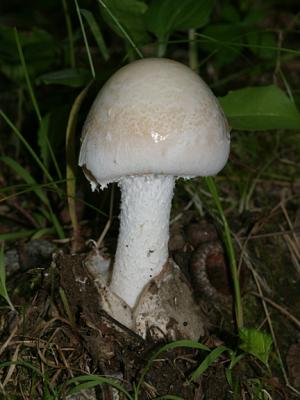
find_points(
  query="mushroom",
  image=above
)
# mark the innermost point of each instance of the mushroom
(154, 121)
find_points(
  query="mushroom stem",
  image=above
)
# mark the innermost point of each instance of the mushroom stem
(144, 233)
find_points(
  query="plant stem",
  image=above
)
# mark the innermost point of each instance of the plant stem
(29, 86)
(193, 59)
(231, 254)
(193, 52)
(85, 40)
(70, 33)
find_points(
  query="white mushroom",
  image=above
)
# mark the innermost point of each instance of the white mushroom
(154, 120)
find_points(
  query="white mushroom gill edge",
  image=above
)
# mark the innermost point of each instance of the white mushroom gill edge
(142, 248)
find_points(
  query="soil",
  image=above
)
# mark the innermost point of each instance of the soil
(60, 328)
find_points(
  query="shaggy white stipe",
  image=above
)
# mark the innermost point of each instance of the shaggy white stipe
(144, 233)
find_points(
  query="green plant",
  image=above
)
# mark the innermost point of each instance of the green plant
(48, 72)
(3, 289)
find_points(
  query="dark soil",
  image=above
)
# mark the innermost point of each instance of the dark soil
(59, 326)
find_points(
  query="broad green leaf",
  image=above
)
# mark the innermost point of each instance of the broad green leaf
(73, 77)
(94, 27)
(129, 15)
(256, 343)
(166, 16)
(260, 108)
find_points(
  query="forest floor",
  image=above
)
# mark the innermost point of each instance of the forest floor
(58, 331)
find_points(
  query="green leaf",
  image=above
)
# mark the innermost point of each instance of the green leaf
(94, 27)
(256, 343)
(73, 77)
(129, 14)
(260, 108)
(166, 16)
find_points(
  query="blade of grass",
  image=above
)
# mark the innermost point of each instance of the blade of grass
(230, 251)
(207, 39)
(179, 343)
(34, 370)
(32, 96)
(226, 230)
(29, 86)
(42, 232)
(24, 174)
(126, 35)
(24, 188)
(47, 186)
(3, 289)
(90, 381)
(16, 235)
(71, 165)
(33, 99)
(56, 223)
(67, 307)
(207, 362)
(43, 139)
(28, 147)
(69, 32)
(85, 40)
(94, 27)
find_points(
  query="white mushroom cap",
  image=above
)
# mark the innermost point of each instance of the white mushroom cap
(154, 116)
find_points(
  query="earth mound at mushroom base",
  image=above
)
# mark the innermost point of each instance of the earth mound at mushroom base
(116, 350)
(166, 308)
